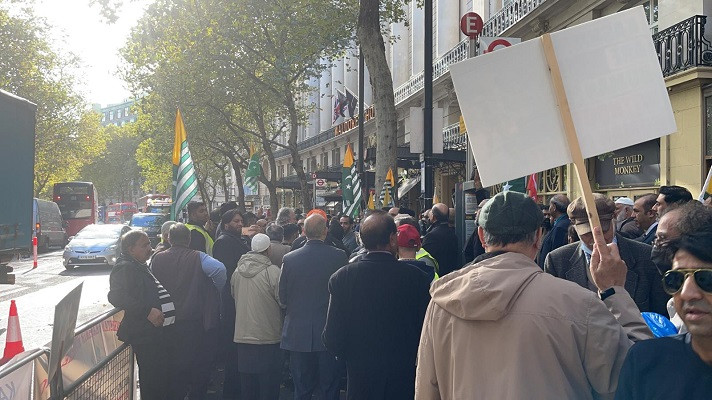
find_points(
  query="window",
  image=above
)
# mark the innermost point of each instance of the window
(118, 113)
(126, 112)
(103, 117)
(111, 115)
(324, 160)
(651, 12)
(336, 156)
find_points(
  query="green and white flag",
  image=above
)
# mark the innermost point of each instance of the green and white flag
(350, 185)
(253, 170)
(185, 180)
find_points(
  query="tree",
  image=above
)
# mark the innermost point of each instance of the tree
(68, 135)
(115, 173)
(372, 16)
(247, 60)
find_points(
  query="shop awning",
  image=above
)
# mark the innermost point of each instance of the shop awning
(407, 185)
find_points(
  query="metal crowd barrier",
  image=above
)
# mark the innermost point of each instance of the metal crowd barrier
(110, 377)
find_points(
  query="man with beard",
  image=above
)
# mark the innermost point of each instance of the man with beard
(198, 216)
(558, 236)
(625, 223)
(228, 249)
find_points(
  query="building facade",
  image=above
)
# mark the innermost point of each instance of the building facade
(117, 114)
(678, 30)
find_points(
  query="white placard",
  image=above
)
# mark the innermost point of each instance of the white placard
(614, 86)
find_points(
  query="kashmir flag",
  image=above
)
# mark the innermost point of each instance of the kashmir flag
(707, 189)
(371, 203)
(387, 196)
(253, 170)
(350, 185)
(185, 180)
(531, 187)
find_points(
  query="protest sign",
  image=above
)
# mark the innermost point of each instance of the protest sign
(569, 95)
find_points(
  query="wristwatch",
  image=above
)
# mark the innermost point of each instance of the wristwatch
(607, 293)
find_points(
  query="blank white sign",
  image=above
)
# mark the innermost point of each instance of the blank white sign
(613, 83)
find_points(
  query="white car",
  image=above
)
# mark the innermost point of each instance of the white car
(95, 245)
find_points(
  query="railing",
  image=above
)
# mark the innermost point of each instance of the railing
(440, 67)
(683, 46)
(508, 16)
(307, 143)
(452, 139)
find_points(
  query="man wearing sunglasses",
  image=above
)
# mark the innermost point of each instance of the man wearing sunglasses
(680, 366)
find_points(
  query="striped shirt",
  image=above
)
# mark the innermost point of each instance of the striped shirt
(167, 306)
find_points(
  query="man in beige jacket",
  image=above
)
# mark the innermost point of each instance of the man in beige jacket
(503, 329)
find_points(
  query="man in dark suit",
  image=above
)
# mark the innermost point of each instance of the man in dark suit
(376, 312)
(646, 217)
(441, 240)
(571, 262)
(303, 290)
(558, 235)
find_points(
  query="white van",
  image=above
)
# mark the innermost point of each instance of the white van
(47, 224)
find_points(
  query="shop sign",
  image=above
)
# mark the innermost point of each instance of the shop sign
(634, 166)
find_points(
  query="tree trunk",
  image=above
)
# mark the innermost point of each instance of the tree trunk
(238, 178)
(374, 51)
(226, 190)
(296, 159)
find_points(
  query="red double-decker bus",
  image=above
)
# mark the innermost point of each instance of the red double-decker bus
(77, 202)
(118, 213)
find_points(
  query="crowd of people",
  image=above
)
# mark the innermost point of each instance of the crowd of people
(538, 305)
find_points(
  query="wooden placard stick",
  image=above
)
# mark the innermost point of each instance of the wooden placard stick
(570, 129)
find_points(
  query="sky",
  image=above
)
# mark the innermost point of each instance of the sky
(79, 28)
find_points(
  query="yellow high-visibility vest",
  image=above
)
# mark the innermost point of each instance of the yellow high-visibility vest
(208, 239)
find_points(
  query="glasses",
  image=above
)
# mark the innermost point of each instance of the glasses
(675, 278)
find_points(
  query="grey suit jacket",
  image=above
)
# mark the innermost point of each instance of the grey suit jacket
(643, 281)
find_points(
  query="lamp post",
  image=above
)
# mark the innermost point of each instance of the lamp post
(428, 106)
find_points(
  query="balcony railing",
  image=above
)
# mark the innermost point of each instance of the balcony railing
(308, 142)
(452, 139)
(440, 67)
(683, 46)
(508, 16)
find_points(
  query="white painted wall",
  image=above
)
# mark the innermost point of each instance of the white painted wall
(400, 65)
(325, 101)
(448, 26)
(417, 37)
(314, 121)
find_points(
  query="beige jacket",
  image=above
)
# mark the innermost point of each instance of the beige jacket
(255, 288)
(503, 329)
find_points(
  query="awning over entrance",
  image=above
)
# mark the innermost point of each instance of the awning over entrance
(407, 185)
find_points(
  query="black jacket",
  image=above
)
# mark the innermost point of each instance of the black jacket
(558, 236)
(228, 249)
(375, 316)
(303, 290)
(133, 288)
(441, 243)
(643, 281)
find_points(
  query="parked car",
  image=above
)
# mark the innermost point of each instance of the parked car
(95, 245)
(47, 224)
(149, 223)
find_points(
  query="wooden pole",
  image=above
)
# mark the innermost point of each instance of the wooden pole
(570, 130)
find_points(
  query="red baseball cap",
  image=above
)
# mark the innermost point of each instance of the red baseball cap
(408, 236)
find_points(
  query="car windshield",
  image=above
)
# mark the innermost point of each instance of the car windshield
(99, 232)
(147, 220)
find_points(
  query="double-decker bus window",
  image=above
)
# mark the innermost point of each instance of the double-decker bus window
(77, 202)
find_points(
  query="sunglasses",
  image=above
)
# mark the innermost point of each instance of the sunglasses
(675, 278)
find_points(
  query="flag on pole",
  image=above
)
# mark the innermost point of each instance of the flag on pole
(253, 170)
(531, 187)
(350, 185)
(185, 180)
(371, 202)
(707, 189)
(387, 196)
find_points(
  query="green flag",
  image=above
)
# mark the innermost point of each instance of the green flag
(350, 185)
(185, 181)
(253, 170)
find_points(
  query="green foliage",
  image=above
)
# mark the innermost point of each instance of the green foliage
(68, 135)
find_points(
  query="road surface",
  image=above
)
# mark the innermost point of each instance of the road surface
(37, 291)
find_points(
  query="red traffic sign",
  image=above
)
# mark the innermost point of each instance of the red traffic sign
(498, 43)
(471, 24)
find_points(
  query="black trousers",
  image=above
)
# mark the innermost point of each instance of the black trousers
(260, 367)
(153, 371)
(193, 360)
